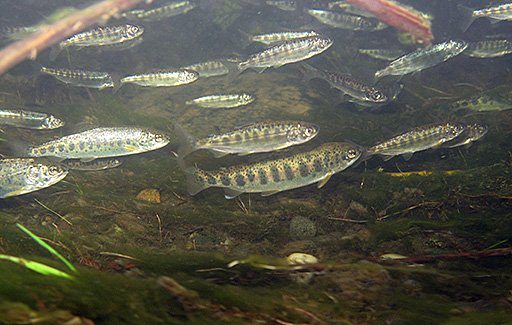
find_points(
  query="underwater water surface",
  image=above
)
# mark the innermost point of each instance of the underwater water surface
(421, 239)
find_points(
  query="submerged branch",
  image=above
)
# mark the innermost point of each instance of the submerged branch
(48, 35)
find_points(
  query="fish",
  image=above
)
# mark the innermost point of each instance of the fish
(472, 132)
(102, 142)
(285, 5)
(286, 52)
(423, 58)
(172, 9)
(272, 176)
(279, 37)
(488, 48)
(29, 120)
(93, 165)
(81, 78)
(222, 101)
(253, 138)
(17, 32)
(343, 21)
(350, 9)
(483, 103)
(383, 54)
(403, 18)
(162, 78)
(208, 69)
(24, 175)
(418, 139)
(357, 90)
(497, 13)
(104, 36)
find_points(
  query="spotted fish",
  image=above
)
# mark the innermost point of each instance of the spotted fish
(222, 101)
(417, 139)
(24, 175)
(172, 9)
(498, 12)
(273, 176)
(163, 78)
(383, 54)
(104, 36)
(489, 48)
(97, 164)
(483, 103)
(287, 52)
(101, 143)
(81, 78)
(208, 69)
(30, 120)
(279, 37)
(423, 58)
(472, 132)
(343, 21)
(253, 138)
(357, 90)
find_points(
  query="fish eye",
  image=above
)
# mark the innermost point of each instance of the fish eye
(377, 95)
(53, 170)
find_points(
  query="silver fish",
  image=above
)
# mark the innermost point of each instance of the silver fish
(24, 175)
(343, 21)
(104, 36)
(279, 37)
(253, 138)
(423, 59)
(417, 139)
(30, 120)
(102, 143)
(357, 90)
(383, 54)
(285, 5)
(163, 78)
(208, 69)
(497, 12)
(277, 175)
(94, 165)
(172, 9)
(472, 133)
(287, 52)
(222, 101)
(81, 78)
(489, 48)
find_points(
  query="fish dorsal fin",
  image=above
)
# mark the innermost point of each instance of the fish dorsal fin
(218, 154)
(230, 193)
(324, 180)
(239, 127)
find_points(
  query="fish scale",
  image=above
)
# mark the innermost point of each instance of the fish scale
(287, 52)
(24, 175)
(163, 78)
(272, 176)
(172, 9)
(81, 78)
(417, 139)
(101, 143)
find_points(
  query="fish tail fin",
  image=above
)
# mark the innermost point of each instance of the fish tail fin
(244, 39)
(234, 68)
(308, 72)
(467, 17)
(186, 142)
(19, 148)
(54, 52)
(194, 181)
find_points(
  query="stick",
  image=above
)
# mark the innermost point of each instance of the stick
(51, 34)
(454, 256)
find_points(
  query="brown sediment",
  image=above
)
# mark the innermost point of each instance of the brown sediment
(48, 35)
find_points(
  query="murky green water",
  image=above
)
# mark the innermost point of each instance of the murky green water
(163, 258)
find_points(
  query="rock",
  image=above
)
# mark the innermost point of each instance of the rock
(302, 228)
(150, 195)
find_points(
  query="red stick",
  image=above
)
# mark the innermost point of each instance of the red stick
(402, 18)
(49, 35)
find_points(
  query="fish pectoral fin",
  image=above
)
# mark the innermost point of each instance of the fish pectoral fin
(130, 148)
(324, 180)
(219, 154)
(407, 156)
(269, 193)
(230, 193)
(87, 159)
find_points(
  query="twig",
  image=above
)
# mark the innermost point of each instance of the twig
(159, 225)
(118, 255)
(48, 35)
(408, 209)
(454, 256)
(348, 220)
(53, 211)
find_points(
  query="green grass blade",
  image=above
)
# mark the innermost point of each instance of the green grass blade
(36, 266)
(47, 247)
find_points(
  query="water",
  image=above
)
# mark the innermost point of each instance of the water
(127, 242)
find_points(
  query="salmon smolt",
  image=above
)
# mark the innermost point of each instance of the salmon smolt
(273, 176)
